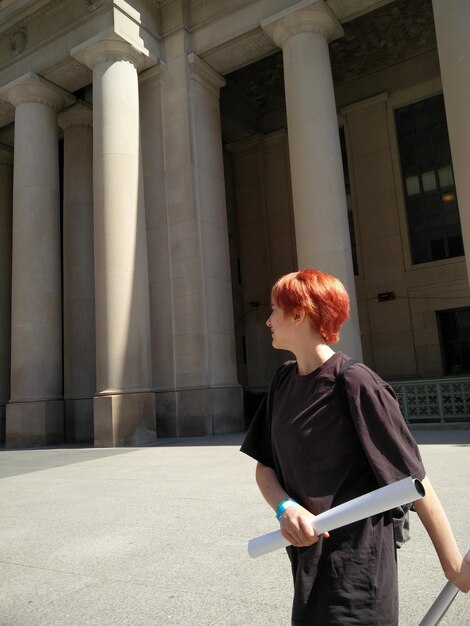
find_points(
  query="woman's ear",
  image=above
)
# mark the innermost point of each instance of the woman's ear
(299, 316)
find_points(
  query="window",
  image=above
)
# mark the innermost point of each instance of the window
(454, 327)
(347, 186)
(428, 181)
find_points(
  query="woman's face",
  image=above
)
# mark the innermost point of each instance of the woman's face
(281, 326)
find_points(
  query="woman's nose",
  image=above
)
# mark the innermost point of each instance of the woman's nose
(268, 322)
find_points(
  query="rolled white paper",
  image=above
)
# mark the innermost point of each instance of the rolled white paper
(378, 501)
(441, 603)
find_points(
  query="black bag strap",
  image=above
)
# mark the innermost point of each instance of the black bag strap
(339, 383)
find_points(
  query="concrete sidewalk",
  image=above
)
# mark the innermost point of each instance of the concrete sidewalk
(157, 536)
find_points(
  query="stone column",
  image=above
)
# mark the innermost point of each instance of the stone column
(320, 213)
(78, 273)
(207, 396)
(452, 23)
(161, 314)
(124, 405)
(35, 413)
(6, 183)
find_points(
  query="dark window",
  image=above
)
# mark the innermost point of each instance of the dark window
(454, 327)
(428, 181)
(347, 186)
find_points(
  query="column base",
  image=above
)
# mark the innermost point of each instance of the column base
(79, 421)
(200, 412)
(33, 424)
(126, 419)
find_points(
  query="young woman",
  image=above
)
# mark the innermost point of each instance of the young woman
(312, 454)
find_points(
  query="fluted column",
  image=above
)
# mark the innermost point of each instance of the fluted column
(78, 273)
(452, 23)
(6, 183)
(320, 214)
(124, 406)
(35, 412)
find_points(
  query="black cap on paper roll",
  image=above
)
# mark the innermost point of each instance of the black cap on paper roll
(419, 487)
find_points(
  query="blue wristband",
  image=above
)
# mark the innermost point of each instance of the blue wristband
(283, 506)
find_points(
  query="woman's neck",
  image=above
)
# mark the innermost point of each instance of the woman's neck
(308, 360)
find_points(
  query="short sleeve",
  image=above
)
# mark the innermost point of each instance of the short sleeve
(257, 442)
(386, 440)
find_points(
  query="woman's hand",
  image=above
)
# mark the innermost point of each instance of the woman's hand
(296, 522)
(296, 526)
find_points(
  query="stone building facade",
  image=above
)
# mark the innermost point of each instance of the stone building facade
(163, 161)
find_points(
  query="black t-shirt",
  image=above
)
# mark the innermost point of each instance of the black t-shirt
(324, 456)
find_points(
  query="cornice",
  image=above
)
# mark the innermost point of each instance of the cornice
(92, 5)
(12, 23)
(204, 73)
(363, 104)
(154, 73)
(15, 23)
(160, 4)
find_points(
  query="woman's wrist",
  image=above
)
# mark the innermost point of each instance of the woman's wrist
(283, 506)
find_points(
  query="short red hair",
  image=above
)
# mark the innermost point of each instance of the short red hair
(323, 298)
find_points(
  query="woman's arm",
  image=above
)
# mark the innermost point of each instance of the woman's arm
(269, 485)
(295, 522)
(434, 519)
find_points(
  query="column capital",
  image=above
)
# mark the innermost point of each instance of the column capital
(308, 16)
(79, 114)
(32, 88)
(108, 49)
(205, 74)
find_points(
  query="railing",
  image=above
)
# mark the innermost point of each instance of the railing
(434, 400)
